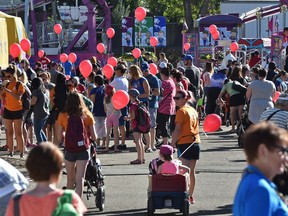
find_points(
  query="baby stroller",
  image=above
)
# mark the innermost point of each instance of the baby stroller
(167, 191)
(243, 126)
(94, 179)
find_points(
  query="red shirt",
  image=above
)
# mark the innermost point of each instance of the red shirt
(44, 61)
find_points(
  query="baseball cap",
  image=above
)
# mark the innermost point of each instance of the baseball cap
(188, 57)
(134, 92)
(163, 65)
(166, 150)
(144, 66)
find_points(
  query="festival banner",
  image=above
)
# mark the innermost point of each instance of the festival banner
(127, 31)
(160, 30)
(192, 39)
(143, 32)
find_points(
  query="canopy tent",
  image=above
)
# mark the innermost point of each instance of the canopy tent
(219, 20)
(4, 50)
(14, 29)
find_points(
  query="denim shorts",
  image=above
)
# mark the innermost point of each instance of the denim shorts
(76, 156)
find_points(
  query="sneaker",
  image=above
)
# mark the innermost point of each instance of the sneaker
(148, 150)
(136, 162)
(227, 123)
(4, 148)
(191, 200)
(154, 148)
(10, 154)
(122, 147)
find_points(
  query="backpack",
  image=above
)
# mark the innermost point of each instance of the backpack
(143, 119)
(76, 137)
(89, 104)
(154, 164)
(26, 97)
(65, 206)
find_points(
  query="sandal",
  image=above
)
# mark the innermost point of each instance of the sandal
(136, 162)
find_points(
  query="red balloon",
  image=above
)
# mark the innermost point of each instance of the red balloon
(85, 68)
(153, 41)
(15, 50)
(153, 68)
(212, 29)
(216, 35)
(212, 123)
(140, 13)
(110, 32)
(234, 46)
(277, 94)
(112, 61)
(25, 44)
(108, 71)
(186, 46)
(57, 28)
(120, 99)
(63, 57)
(72, 57)
(40, 53)
(136, 52)
(100, 48)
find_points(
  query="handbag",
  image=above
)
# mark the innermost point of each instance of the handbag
(239, 87)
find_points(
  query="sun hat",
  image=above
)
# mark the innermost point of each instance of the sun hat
(166, 150)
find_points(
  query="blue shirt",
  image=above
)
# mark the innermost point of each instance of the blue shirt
(256, 195)
(154, 83)
(67, 66)
(217, 80)
(138, 84)
(98, 109)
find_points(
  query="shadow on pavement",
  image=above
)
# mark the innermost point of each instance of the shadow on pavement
(221, 149)
(136, 212)
(222, 210)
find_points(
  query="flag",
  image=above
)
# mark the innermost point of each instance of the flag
(271, 25)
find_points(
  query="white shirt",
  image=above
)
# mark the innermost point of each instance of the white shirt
(120, 83)
(228, 57)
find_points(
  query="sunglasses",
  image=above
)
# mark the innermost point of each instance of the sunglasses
(177, 98)
(283, 150)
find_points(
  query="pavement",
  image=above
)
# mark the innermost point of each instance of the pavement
(218, 174)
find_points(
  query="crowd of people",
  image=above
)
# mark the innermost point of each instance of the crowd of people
(43, 102)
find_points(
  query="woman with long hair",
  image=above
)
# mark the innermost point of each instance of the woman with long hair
(279, 81)
(76, 162)
(13, 109)
(40, 106)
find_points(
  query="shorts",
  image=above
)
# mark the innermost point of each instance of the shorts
(153, 115)
(237, 100)
(124, 112)
(112, 120)
(193, 153)
(12, 115)
(27, 120)
(76, 156)
(100, 127)
(138, 131)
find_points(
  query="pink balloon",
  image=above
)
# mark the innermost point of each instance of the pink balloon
(110, 32)
(212, 29)
(216, 35)
(57, 28)
(212, 123)
(85, 68)
(72, 57)
(63, 57)
(153, 68)
(120, 99)
(277, 94)
(140, 13)
(40, 53)
(112, 61)
(186, 46)
(100, 48)
(136, 52)
(153, 41)
(108, 71)
(234, 46)
(25, 44)
(15, 50)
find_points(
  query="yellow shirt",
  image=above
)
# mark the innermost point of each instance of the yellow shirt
(187, 117)
(11, 103)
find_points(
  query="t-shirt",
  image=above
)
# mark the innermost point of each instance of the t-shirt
(11, 103)
(138, 84)
(31, 74)
(44, 61)
(187, 117)
(44, 206)
(63, 120)
(217, 80)
(98, 109)
(228, 88)
(170, 167)
(41, 107)
(68, 67)
(280, 118)
(53, 74)
(167, 103)
(120, 83)
(154, 83)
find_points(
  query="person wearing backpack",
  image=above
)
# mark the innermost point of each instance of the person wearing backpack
(44, 165)
(13, 110)
(78, 124)
(138, 131)
(40, 106)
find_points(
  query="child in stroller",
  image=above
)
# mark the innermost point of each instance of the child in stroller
(94, 179)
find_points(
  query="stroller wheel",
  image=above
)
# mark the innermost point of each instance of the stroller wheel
(100, 198)
(150, 207)
(185, 209)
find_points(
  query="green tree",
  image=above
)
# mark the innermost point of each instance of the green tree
(120, 11)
